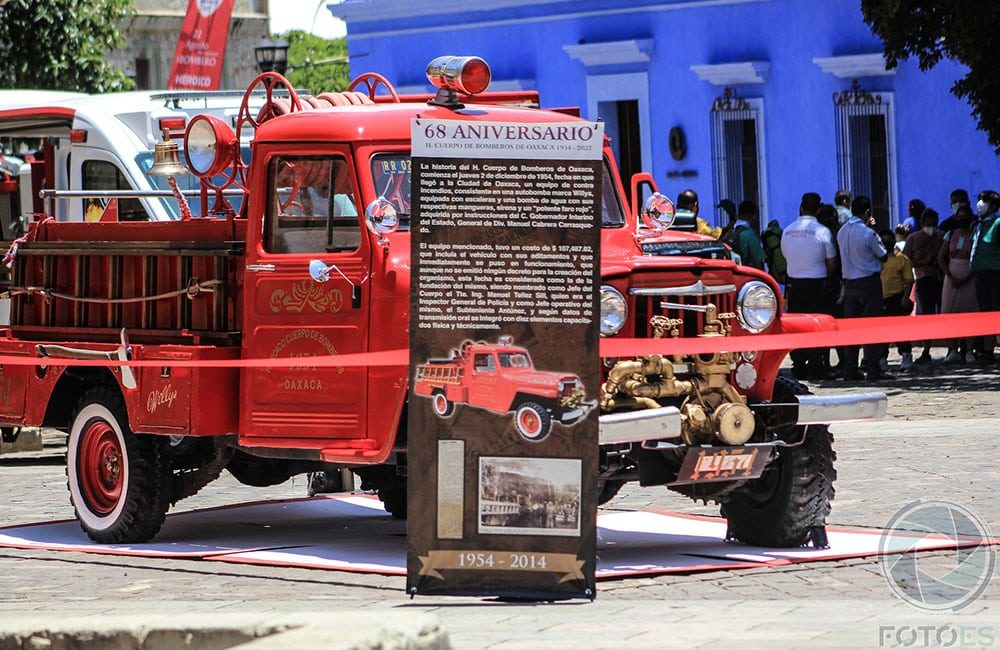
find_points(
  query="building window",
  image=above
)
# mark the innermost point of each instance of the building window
(142, 74)
(866, 149)
(739, 169)
(621, 124)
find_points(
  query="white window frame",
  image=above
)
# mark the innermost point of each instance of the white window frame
(885, 106)
(624, 87)
(756, 106)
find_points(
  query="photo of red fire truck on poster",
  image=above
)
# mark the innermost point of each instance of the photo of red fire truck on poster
(505, 368)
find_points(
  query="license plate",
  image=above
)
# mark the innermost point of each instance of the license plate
(722, 464)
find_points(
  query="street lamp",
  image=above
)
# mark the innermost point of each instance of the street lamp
(272, 56)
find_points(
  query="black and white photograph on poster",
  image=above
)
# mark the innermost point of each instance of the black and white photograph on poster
(529, 496)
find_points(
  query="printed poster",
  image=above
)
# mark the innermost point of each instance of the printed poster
(502, 433)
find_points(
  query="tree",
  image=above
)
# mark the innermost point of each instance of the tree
(316, 63)
(963, 30)
(61, 44)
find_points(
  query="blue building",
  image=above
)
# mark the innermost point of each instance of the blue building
(741, 99)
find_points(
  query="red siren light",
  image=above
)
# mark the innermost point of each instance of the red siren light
(475, 76)
(469, 75)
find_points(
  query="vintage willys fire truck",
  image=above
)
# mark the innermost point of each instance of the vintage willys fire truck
(501, 378)
(316, 263)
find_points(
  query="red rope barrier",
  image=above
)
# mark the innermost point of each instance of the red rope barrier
(842, 332)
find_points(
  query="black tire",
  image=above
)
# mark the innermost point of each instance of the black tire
(443, 407)
(532, 421)
(119, 482)
(794, 495)
(394, 501)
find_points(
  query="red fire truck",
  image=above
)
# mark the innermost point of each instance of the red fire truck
(316, 263)
(501, 378)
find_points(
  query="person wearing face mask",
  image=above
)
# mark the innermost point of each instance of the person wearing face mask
(959, 293)
(922, 248)
(897, 281)
(958, 199)
(985, 261)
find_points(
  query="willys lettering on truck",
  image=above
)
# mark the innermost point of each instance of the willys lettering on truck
(315, 263)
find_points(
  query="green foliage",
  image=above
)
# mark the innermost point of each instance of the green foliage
(316, 63)
(963, 30)
(61, 44)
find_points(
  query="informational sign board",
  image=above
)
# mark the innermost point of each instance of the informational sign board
(504, 313)
(201, 46)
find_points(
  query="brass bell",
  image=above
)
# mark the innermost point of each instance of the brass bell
(166, 158)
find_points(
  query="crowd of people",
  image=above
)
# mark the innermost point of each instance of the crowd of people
(835, 260)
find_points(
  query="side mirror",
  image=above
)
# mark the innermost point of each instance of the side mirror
(381, 217)
(657, 212)
(319, 271)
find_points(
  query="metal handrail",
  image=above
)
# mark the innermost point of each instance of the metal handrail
(125, 194)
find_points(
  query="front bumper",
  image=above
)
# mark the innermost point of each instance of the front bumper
(573, 415)
(665, 422)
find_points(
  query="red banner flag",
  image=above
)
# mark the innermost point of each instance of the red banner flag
(201, 46)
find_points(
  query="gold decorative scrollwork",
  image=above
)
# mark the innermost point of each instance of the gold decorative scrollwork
(306, 294)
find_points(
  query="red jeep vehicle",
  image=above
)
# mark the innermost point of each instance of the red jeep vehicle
(502, 379)
(316, 263)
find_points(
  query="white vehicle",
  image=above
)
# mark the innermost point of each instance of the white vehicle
(97, 143)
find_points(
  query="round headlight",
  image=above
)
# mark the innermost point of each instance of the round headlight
(209, 145)
(756, 306)
(614, 311)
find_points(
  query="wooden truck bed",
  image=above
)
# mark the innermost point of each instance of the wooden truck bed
(166, 282)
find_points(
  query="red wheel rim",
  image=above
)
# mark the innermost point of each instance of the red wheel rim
(531, 424)
(100, 467)
(440, 404)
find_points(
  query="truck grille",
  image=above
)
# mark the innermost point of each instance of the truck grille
(649, 302)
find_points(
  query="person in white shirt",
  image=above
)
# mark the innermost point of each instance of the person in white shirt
(861, 257)
(811, 254)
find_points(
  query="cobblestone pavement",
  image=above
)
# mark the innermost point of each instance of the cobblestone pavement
(940, 441)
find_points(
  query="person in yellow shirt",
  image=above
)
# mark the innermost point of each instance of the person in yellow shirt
(897, 281)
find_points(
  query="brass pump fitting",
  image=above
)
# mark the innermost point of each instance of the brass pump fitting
(697, 423)
(632, 379)
(734, 423)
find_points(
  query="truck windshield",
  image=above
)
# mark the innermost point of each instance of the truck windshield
(514, 360)
(391, 175)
